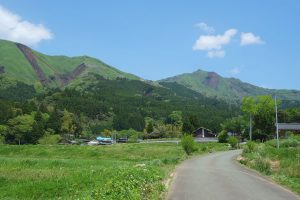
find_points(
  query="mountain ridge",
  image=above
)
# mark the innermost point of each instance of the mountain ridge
(32, 67)
(231, 89)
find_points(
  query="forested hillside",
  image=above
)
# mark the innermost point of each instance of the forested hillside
(88, 108)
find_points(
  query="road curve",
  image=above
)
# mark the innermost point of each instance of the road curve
(218, 176)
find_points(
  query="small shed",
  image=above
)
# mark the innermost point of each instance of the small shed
(295, 127)
(203, 132)
(289, 126)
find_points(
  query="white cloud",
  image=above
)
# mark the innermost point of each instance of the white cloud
(213, 44)
(209, 42)
(235, 71)
(204, 27)
(216, 54)
(250, 38)
(13, 27)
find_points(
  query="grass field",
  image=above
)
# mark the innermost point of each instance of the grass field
(281, 165)
(128, 171)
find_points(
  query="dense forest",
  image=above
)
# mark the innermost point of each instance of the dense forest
(95, 107)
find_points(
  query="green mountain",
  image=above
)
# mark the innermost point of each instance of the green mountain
(212, 84)
(24, 64)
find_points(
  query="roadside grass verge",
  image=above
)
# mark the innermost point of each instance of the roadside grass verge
(121, 171)
(282, 165)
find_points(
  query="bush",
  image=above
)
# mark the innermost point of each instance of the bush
(188, 143)
(49, 139)
(291, 142)
(251, 146)
(233, 141)
(263, 166)
(223, 137)
(2, 139)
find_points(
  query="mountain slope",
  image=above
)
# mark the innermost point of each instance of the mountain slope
(24, 64)
(213, 85)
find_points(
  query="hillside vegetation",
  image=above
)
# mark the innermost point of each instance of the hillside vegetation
(230, 89)
(27, 65)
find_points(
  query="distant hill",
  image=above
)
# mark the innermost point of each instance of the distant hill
(212, 84)
(24, 64)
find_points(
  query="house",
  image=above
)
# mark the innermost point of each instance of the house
(204, 133)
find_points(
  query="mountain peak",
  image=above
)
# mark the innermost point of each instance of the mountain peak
(24, 64)
(212, 84)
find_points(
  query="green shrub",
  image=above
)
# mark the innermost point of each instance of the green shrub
(233, 141)
(223, 137)
(291, 142)
(295, 137)
(263, 166)
(49, 139)
(271, 143)
(188, 143)
(2, 139)
(251, 146)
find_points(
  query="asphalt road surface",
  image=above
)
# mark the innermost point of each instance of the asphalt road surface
(218, 176)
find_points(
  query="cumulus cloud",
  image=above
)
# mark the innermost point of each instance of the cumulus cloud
(13, 27)
(250, 38)
(204, 27)
(216, 54)
(213, 44)
(235, 71)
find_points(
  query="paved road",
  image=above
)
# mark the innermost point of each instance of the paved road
(218, 176)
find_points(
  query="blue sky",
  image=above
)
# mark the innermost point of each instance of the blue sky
(255, 41)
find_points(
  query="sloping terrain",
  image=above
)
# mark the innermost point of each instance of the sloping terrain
(24, 64)
(231, 89)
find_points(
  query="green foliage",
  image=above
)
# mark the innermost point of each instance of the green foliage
(188, 144)
(48, 139)
(262, 111)
(135, 183)
(84, 172)
(282, 164)
(236, 125)
(149, 128)
(131, 134)
(251, 146)
(176, 118)
(16, 91)
(20, 129)
(231, 90)
(262, 165)
(223, 137)
(233, 141)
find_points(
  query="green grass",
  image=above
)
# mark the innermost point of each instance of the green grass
(17, 66)
(15, 63)
(127, 171)
(281, 165)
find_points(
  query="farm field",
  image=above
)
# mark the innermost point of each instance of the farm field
(127, 171)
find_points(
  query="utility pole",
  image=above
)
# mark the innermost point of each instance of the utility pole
(250, 131)
(277, 131)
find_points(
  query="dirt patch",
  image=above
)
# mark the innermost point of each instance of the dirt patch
(275, 165)
(33, 62)
(63, 79)
(67, 78)
(212, 80)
